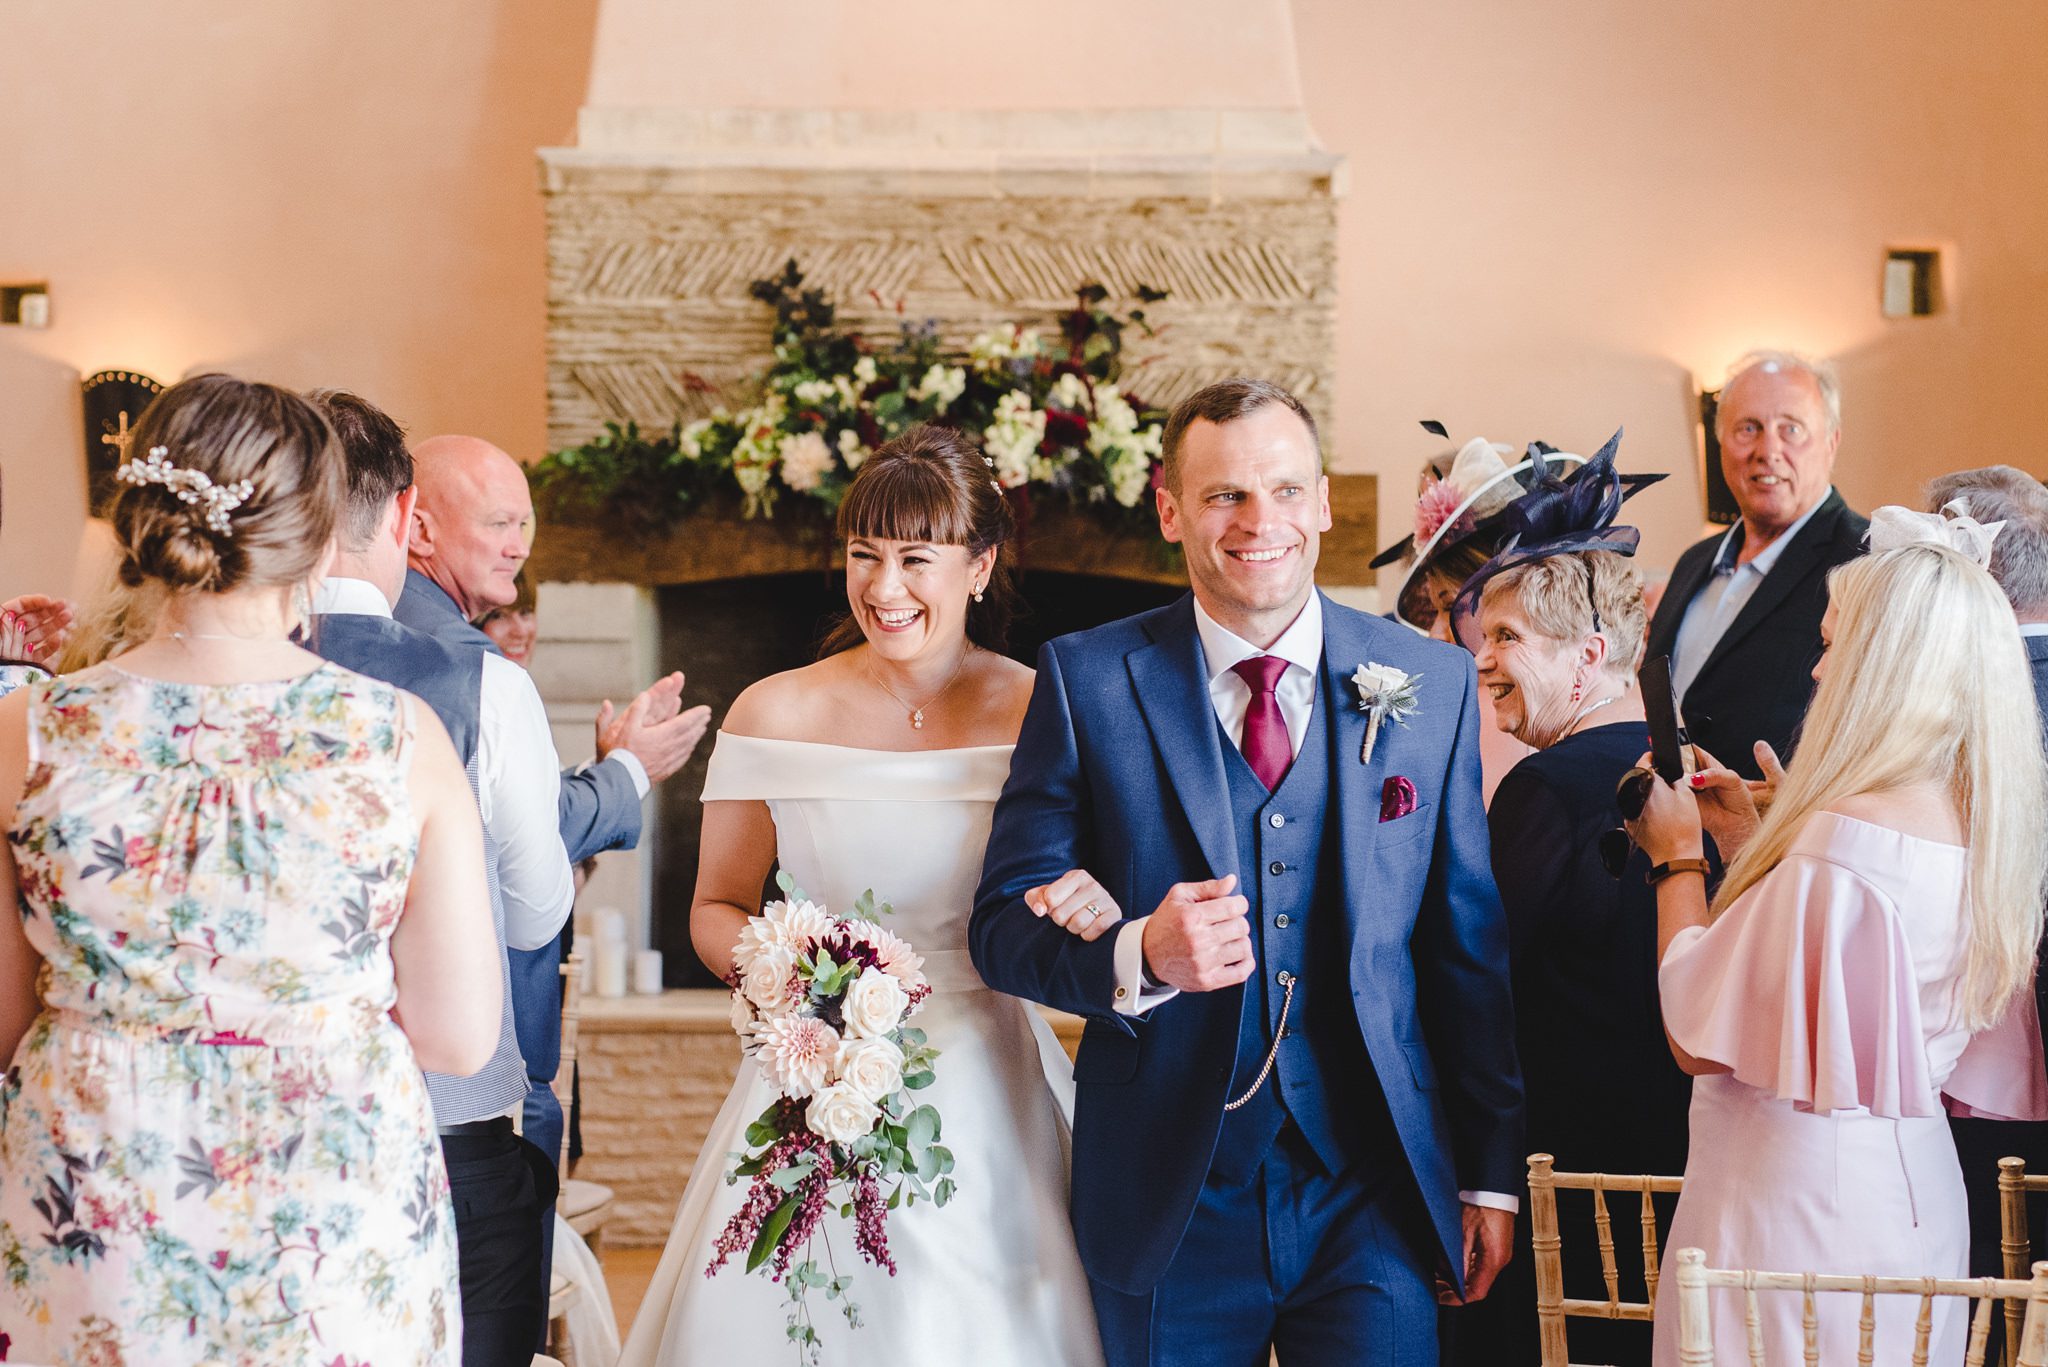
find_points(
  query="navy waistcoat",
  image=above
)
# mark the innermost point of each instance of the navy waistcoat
(1322, 1078)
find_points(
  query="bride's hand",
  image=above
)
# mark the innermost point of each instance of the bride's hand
(1077, 903)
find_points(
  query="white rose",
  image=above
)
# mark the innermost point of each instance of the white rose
(872, 1067)
(766, 979)
(841, 1114)
(874, 1004)
(796, 1054)
(742, 1015)
(1376, 678)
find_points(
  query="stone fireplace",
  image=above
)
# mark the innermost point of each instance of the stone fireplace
(914, 179)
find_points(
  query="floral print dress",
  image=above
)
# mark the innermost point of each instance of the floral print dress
(215, 1144)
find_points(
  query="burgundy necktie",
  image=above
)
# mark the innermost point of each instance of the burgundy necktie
(1265, 744)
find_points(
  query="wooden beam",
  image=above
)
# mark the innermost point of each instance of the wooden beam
(718, 543)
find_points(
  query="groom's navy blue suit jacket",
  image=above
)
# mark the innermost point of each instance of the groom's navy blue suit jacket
(1119, 770)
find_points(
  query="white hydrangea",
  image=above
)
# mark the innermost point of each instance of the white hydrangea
(806, 460)
(940, 385)
(1012, 439)
(848, 396)
(850, 449)
(1114, 420)
(813, 391)
(992, 349)
(690, 440)
(1130, 474)
(864, 371)
(1070, 392)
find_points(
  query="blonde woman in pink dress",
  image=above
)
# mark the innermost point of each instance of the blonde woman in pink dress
(1866, 955)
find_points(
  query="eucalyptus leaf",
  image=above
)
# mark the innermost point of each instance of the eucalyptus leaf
(771, 1233)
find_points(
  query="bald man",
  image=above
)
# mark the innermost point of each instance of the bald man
(471, 525)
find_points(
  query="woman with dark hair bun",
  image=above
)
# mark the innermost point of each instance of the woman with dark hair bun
(251, 888)
(878, 767)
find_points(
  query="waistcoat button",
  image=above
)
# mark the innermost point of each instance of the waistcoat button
(1276, 868)
(1282, 921)
(1276, 821)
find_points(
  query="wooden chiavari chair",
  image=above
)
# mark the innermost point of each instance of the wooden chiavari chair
(1552, 1305)
(585, 1205)
(2014, 1184)
(1695, 1323)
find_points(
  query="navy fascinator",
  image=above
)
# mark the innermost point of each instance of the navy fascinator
(1562, 515)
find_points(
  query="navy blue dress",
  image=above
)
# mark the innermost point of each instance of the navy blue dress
(1602, 1090)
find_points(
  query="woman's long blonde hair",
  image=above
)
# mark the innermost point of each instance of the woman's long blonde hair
(1927, 682)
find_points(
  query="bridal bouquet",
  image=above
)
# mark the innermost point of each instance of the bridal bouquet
(820, 1002)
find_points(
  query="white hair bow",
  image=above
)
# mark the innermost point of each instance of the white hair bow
(190, 486)
(1892, 527)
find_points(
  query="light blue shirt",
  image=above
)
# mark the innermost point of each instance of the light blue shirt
(1721, 599)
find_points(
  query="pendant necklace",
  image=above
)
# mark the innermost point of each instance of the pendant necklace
(916, 711)
(1588, 710)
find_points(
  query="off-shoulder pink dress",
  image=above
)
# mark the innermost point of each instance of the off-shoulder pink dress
(1829, 992)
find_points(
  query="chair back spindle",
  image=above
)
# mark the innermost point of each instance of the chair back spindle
(1697, 1282)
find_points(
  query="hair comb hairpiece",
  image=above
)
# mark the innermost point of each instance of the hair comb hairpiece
(1892, 527)
(189, 486)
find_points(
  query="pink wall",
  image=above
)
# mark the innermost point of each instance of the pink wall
(1557, 214)
(943, 54)
(1555, 222)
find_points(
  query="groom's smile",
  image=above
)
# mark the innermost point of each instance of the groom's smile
(1250, 509)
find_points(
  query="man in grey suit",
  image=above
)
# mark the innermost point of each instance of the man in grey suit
(2019, 562)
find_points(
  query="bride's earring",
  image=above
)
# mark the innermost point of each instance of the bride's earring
(977, 595)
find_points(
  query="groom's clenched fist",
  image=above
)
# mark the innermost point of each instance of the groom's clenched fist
(1199, 939)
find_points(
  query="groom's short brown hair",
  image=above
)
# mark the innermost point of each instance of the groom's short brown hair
(1225, 401)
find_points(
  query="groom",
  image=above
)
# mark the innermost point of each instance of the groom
(1239, 1186)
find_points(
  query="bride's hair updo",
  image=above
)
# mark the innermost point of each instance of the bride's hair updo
(933, 484)
(232, 432)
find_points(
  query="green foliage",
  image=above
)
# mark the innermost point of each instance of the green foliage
(1053, 413)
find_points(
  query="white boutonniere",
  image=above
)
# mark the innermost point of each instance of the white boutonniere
(1384, 694)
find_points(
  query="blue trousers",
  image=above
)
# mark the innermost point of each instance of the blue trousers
(1320, 1269)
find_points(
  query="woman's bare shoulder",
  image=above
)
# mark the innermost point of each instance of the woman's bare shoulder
(797, 704)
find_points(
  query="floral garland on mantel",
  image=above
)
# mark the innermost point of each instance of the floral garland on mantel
(1051, 414)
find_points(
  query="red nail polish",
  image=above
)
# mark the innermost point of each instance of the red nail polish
(1699, 780)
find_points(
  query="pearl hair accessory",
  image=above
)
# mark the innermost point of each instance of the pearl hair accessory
(190, 486)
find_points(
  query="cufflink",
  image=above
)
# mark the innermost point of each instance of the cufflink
(1122, 992)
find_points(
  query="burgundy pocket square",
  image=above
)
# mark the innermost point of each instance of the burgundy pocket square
(1397, 799)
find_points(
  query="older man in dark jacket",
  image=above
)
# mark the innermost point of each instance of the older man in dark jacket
(1741, 618)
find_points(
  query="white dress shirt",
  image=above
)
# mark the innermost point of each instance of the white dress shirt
(1720, 600)
(518, 782)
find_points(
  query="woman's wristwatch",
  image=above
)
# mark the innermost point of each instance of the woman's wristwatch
(1659, 872)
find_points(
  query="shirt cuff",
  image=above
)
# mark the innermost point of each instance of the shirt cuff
(1491, 1200)
(1135, 993)
(634, 767)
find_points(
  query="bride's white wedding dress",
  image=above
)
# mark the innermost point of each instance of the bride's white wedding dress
(991, 1278)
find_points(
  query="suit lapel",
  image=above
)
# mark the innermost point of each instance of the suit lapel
(1684, 584)
(1170, 677)
(1799, 558)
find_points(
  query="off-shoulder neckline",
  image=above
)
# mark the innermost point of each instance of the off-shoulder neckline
(861, 749)
(1893, 831)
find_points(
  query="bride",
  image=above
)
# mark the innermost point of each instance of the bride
(878, 767)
